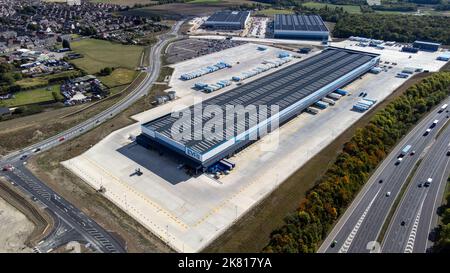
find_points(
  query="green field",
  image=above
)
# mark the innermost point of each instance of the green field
(40, 81)
(32, 96)
(118, 77)
(99, 54)
(204, 1)
(348, 8)
(271, 12)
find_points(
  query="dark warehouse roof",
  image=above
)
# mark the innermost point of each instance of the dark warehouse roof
(299, 22)
(228, 17)
(283, 88)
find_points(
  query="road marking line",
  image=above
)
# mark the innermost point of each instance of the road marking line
(352, 234)
(412, 236)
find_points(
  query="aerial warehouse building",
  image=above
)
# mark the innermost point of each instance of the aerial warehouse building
(227, 20)
(293, 89)
(426, 46)
(292, 26)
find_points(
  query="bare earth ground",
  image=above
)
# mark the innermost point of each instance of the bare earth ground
(15, 228)
(47, 167)
(251, 233)
(40, 220)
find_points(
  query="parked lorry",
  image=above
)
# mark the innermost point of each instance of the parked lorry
(329, 101)
(321, 104)
(334, 96)
(312, 110)
(341, 92)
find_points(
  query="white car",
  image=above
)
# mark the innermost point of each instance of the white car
(388, 194)
(428, 183)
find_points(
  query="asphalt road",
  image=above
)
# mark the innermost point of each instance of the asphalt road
(360, 226)
(138, 92)
(419, 203)
(99, 239)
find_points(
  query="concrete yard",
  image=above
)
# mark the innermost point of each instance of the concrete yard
(15, 228)
(189, 212)
(242, 58)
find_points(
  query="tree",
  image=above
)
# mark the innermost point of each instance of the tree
(106, 71)
(304, 230)
(66, 44)
(55, 96)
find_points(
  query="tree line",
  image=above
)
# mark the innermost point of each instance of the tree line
(442, 243)
(393, 27)
(304, 229)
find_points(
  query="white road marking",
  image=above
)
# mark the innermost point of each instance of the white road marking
(412, 236)
(352, 234)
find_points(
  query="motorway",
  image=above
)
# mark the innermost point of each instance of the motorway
(359, 229)
(92, 233)
(419, 203)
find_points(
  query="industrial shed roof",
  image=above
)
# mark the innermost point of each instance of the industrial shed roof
(299, 22)
(283, 88)
(228, 17)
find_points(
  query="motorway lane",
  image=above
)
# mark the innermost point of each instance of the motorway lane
(91, 231)
(363, 220)
(429, 220)
(413, 207)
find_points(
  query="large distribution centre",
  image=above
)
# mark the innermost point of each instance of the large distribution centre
(300, 27)
(293, 89)
(227, 20)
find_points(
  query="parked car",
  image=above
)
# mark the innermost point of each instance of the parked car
(7, 168)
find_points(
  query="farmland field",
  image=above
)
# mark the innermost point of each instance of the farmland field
(204, 1)
(118, 77)
(99, 54)
(348, 8)
(44, 80)
(32, 96)
(270, 12)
